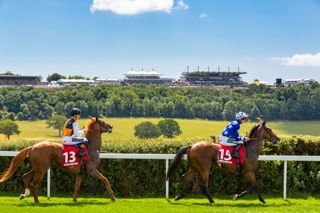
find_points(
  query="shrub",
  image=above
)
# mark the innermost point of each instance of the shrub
(8, 128)
(146, 130)
(169, 128)
(56, 122)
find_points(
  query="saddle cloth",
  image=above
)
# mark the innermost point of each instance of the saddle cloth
(225, 154)
(70, 155)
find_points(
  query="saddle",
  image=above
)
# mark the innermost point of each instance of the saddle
(70, 155)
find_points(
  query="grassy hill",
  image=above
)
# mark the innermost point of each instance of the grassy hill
(124, 128)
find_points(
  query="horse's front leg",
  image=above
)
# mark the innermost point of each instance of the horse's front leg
(77, 186)
(251, 178)
(95, 173)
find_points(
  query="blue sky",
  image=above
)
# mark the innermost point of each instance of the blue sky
(266, 38)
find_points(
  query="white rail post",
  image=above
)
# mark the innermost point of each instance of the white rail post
(167, 181)
(285, 179)
(48, 184)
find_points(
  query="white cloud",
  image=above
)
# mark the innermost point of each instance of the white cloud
(203, 15)
(300, 60)
(132, 7)
(181, 6)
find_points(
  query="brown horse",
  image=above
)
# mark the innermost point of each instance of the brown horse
(44, 154)
(202, 154)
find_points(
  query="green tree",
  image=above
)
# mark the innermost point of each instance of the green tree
(147, 130)
(8, 128)
(255, 113)
(7, 73)
(56, 122)
(230, 110)
(68, 107)
(167, 110)
(55, 77)
(169, 128)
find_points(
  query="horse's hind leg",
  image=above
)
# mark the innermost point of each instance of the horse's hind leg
(34, 186)
(77, 186)
(204, 185)
(97, 174)
(185, 178)
(26, 183)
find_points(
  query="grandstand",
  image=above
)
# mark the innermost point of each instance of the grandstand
(143, 77)
(18, 80)
(212, 78)
(67, 82)
(108, 81)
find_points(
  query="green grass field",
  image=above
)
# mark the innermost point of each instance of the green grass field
(99, 204)
(124, 127)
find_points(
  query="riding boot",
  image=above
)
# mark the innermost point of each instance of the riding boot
(235, 150)
(80, 152)
(235, 154)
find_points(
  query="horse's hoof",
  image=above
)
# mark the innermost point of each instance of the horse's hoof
(75, 200)
(235, 197)
(113, 198)
(21, 196)
(178, 197)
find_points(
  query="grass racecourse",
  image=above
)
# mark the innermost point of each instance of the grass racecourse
(9, 203)
(124, 128)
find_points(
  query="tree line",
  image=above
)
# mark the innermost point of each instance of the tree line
(300, 102)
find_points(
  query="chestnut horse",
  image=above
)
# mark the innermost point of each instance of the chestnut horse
(202, 154)
(44, 154)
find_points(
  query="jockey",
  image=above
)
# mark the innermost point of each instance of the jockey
(71, 132)
(230, 136)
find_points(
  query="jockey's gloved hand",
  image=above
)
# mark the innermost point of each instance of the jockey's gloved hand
(85, 142)
(244, 139)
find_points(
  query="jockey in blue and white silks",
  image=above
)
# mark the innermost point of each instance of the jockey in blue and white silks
(230, 136)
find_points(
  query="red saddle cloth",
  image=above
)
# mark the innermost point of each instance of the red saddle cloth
(225, 154)
(70, 155)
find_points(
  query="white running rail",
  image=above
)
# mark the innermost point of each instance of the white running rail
(167, 157)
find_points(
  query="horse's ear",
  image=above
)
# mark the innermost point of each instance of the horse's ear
(264, 122)
(91, 117)
(97, 118)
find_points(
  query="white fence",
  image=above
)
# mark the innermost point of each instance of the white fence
(167, 157)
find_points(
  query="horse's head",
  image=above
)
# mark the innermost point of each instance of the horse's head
(266, 133)
(97, 125)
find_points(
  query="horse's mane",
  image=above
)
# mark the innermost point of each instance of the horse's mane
(254, 130)
(90, 123)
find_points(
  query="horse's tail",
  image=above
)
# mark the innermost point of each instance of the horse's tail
(15, 163)
(176, 161)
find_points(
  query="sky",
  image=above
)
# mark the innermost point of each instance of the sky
(268, 39)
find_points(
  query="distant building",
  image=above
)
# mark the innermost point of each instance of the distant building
(66, 82)
(18, 80)
(288, 82)
(279, 82)
(258, 82)
(108, 81)
(143, 77)
(212, 78)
